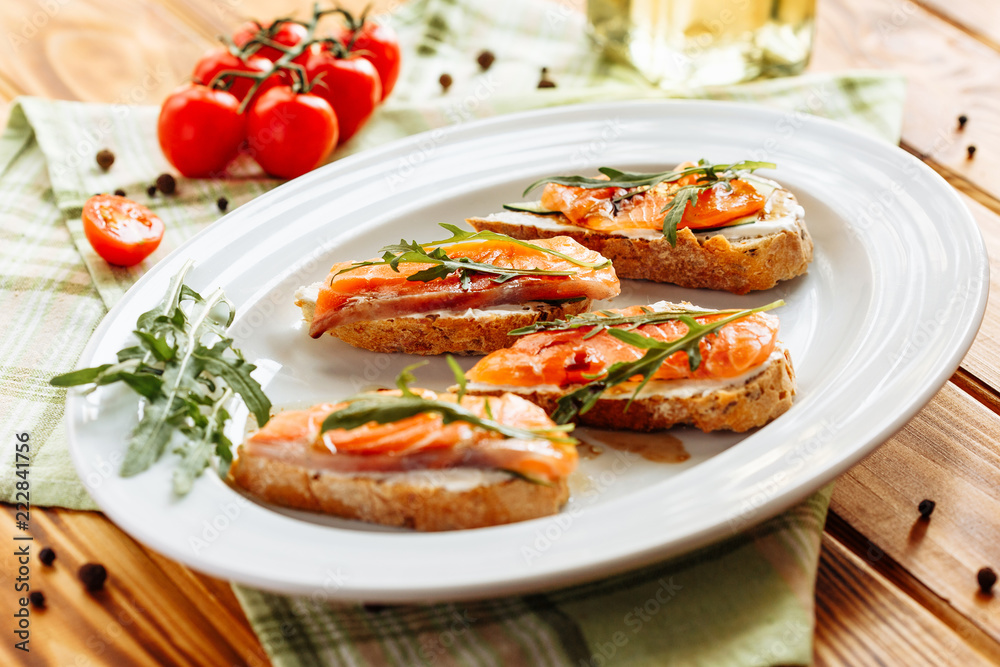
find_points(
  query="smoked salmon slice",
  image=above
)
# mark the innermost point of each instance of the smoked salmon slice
(420, 442)
(597, 208)
(569, 357)
(353, 293)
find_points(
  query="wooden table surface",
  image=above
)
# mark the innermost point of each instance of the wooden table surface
(891, 590)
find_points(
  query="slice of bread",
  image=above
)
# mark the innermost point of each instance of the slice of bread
(428, 502)
(729, 261)
(453, 332)
(747, 403)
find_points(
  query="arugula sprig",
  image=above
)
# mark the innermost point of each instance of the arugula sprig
(185, 370)
(385, 408)
(583, 399)
(601, 320)
(709, 175)
(444, 265)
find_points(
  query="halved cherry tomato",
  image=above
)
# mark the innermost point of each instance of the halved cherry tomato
(290, 133)
(200, 129)
(121, 231)
(379, 44)
(220, 60)
(718, 205)
(286, 34)
(350, 85)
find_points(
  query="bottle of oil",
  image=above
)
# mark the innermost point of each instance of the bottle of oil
(706, 42)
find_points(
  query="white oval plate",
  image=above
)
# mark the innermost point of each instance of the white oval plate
(891, 303)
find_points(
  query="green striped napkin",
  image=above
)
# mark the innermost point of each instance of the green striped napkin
(745, 601)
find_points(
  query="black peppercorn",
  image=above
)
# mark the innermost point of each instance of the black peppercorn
(971, 150)
(986, 578)
(119, 192)
(105, 159)
(445, 81)
(926, 508)
(46, 555)
(962, 120)
(93, 576)
(485, 60)
(166, 184)
(37, 599)
(151, 191)
(222, 203)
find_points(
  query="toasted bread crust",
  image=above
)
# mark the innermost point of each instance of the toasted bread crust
(440, 334)
(419, 506)
(739, 408)
(715, 263)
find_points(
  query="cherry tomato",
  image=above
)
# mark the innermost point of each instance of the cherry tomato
(286, 34)
(350, 85)
(377, 43)
(220, 59)
(200, 129)
(290, 133)
(122, 232)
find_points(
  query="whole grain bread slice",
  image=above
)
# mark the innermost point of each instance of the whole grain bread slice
(740, 265)
(383, 500)
(738, 407)
(451, 332)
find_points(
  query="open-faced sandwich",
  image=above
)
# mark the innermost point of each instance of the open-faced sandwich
(699, 225)
(646, 368)
(461, 295)
(412, 458)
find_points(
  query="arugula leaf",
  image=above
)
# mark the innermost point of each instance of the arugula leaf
(406, 378)
(459, 235)
(635, 184)
(459, 374)
(675, 211)
(389, 408)
(444, 265)
(605, 319)
(185, 369)
(622, 179)
(82, 376)
(583, 399)
(385, 408)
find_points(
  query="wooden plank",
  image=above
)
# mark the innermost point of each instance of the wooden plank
(863, 619)
(120, 51)
(949, 454)
(107, 50)
(979, 18)
(981, 361)
(152, 611)
(948, 73)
